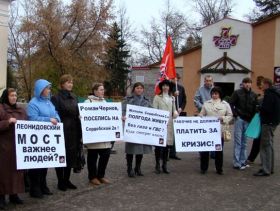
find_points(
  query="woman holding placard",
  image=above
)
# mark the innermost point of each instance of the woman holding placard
(96, 172)
(66, 104)
(41, 109)
(221, 109)
(11, 179)
(165, 101)
(137, 98)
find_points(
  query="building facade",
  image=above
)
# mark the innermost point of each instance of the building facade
(230, 51)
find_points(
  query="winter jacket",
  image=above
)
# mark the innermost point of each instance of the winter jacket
(270, 108)
(182, 97)
(244, 104)
(133, 148)
(201, 96)
(217, 108)
(41, 108)
(11, 179)
(66, 104)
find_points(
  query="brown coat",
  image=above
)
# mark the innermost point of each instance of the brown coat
(11, 180)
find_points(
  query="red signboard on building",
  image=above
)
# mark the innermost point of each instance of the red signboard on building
(225, 40)
(277, 76)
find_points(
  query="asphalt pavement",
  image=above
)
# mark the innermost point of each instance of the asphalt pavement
(183, 189)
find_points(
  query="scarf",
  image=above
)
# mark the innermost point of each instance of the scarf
(5, 99)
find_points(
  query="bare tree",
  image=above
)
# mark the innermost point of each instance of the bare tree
(153, 38)
(212, 11)
(22, 45)
(128, 33)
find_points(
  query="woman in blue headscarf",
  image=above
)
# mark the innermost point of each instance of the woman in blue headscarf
(40, 108)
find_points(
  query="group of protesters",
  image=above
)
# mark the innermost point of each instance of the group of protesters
(244, 104)
(63, 107)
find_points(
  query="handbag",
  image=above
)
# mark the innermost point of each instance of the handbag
(254, 128)
(226, 133)
(81, 161)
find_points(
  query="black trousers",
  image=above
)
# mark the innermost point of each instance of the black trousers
(255, 149)
(204, 160)
(63, 174)
(94, 170)
(38, 179)
(161, 153)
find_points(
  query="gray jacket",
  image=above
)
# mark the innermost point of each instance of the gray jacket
(133, 148)
(201, 96)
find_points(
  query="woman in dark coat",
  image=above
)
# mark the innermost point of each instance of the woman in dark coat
(137, 98)
(11, 179)
(66, 104)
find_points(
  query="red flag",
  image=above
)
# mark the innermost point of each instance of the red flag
(167, 66)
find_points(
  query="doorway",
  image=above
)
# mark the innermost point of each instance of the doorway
(227, 89)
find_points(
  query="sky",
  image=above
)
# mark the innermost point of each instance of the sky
(140, 12)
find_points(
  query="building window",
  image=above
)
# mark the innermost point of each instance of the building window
(140, 78)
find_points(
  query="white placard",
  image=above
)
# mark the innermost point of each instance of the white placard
(197, 134)
(39, 145)
(146, 125)
(101, 122)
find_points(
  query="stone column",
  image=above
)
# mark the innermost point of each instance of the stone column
(4, 18)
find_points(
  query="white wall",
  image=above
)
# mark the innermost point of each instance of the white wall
(241, 52)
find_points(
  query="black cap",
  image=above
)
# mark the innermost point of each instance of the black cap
(165, 82)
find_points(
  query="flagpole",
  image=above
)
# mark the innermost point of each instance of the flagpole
(177, 97)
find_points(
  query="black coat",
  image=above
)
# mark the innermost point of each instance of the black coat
(270, 108)
(244, 104)
(66, 104)
(182, 97)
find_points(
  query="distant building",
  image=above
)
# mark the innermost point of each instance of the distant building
(230, 50)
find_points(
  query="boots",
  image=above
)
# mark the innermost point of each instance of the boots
(164, 160)
(26, 182)
(157, 156)
(2, 202)
(60, 177)
(14, 199)
(68, 183)
(35, 189)
(63, 176)
(129, 159)
(137, 169)
(43, 182)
